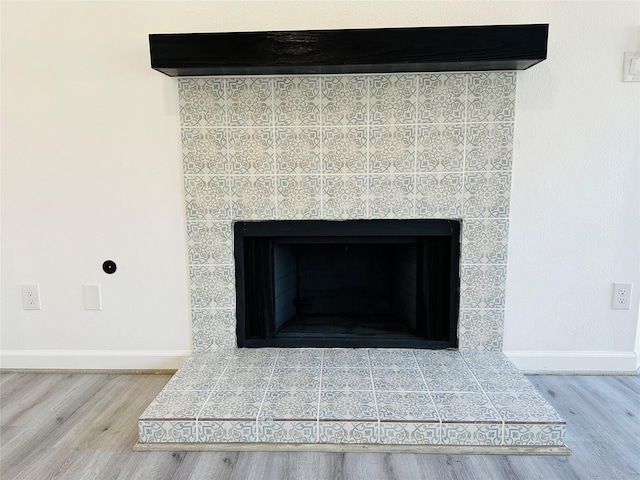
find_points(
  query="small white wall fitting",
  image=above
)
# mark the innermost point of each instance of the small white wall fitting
(622, 296)
(30, 297)
(631, 67)
(92, 297)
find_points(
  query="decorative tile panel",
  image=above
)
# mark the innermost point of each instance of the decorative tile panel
(297, 100)
(392, 99)
(344, 100)
(204, 151)
(442, 98)
(202, 102)
(491, 97)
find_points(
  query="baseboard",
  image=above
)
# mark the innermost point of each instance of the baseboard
(577, 363)
(93, 359)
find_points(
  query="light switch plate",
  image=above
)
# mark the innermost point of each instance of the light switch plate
(631, 67)
(92, 297)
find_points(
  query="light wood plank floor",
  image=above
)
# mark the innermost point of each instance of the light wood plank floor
(77, 426)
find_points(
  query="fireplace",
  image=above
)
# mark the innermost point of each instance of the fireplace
(359, 283)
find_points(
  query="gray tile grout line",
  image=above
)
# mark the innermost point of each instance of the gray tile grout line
(264, 396)
(209, 398)
(375, 394)
(426, 386)
(319, 397)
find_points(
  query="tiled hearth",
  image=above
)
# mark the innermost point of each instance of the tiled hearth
(351, 396)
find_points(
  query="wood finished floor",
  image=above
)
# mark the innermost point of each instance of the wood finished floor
(83, 426)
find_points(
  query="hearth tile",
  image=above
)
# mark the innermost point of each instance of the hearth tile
(297, 100)
(232, 405)
(212, 359)
(298, 151)
(346, 358)
(398, 380)
(204, 151)
(409, 433)
(499, 382)
(287, 431)
(439, 195)
(253, 378)
(344, 150)
(440, 148)
(295, 379)
(465, 407)
(345, 196)
(480, 330)
(471, 433)
(169, 431)
(344, 100)
(392, 99)
(391, 196)
(489, 146)
(392, 149)
(484, 241)
(486, 194)
(482, 286)
(428, 360)
(171, 404)
(207, 198)
(213, 431)
(406, 406)
(394, 358)
(195, 379)
(343, 405)
(444, 380)
(348, 432)
(213, 329)
(251, 151)
(491, 97)
(249, 101)
(481, 361)
(202, 102)
(299, 197)
(442, 98)
(346, 379)
(212, 286)
(299, 358)
(534, 434)
(253, 198)
(249, 357)
(524, 407)
(210, 242)
(289, 405)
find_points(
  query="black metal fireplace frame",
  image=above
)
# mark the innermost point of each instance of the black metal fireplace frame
(336, 231)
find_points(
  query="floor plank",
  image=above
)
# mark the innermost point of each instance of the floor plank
(77, 426)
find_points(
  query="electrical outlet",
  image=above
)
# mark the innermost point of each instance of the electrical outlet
(92, 297)
(622, 296)
(30, 297)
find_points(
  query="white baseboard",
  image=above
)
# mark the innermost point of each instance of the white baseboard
(549, 362)
(93, 359)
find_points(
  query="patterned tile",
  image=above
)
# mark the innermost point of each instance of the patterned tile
(299, 197)
(232, 405)
(395, 358)
(440, 148)
(172, 404)
(484, 241)
(213, 329)
(251, 151)
(289, 405)
(285, 431)
(207, 198)
(203, 379)
(345, 196)
(255, 378)
(489, 146)
(391, 196)
(441, 98)
(214, 431)
(298, 151)
(465, 407)
(344, 100)
(493, 361)
(347, 405)
(447, 380)
(497, 382)
(427, 360)
(524, 407)
(250, 357)
(204, 151)
(297, 100)
(534, 434)
(406, 406)
(492, 97)
(298, 379)
(471, 434)
(348, 432)
(201, 102)
(409, 433)
(182, 431)
(439, 195)
(482, 286)
(253, 198)
(344, 150)
(212, 287)
(480, 330)
(392, 149)
(487, 194)
(400, 380)
(346, 358)
(300, 358)
(249, 102)
(210, 242)
(392, 99)
(346, 379)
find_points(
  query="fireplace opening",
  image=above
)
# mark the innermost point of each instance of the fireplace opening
(361, 283)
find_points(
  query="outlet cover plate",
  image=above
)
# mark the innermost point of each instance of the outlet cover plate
(92, 297)
(30, 297)
(622, 296)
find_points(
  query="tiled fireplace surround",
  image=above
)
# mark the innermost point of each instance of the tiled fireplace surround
(398, 146)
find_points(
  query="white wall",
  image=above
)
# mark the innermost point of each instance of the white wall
(91, 170)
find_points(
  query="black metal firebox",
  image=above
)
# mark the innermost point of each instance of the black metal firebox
(359, 283)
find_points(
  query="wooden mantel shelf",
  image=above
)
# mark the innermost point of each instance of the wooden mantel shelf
(424, 49)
